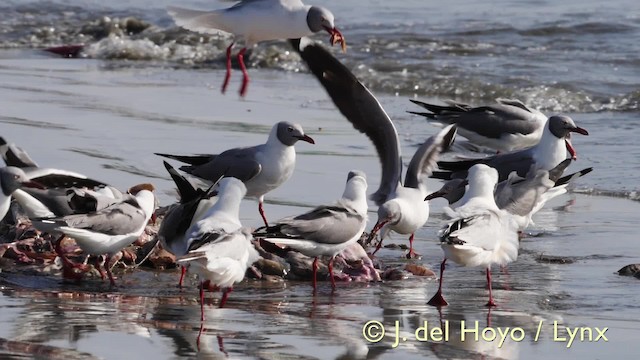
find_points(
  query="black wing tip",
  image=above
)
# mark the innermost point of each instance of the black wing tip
(2, 141)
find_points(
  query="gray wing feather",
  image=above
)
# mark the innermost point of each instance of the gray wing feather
(491, 121)
(118, 219)
(362, 110)
(425, 159)
(239, 163)
(324, 224)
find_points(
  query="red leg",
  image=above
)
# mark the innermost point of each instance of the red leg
(261, 210)
(182, 272)
(333, 281)
(437, 299)
(373, 232)
(315, 271)
(67, 265)
(200, 334)
(245, 75)
(228, 74)
(107, 267)
(491, 303)
(98, 266)
(412, 254)
(225, 296)
(202, 301)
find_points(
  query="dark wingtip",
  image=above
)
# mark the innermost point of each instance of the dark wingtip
(2, 141)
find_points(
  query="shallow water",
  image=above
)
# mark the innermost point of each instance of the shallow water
(105, 117)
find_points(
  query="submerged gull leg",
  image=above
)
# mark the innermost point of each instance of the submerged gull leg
(245, 75)
(107, 260)
(490, 303)
(315, 271)
(437, 299)
(225, 296)
(333, 281)
(227, 76)
(183, 271)
(202, 300)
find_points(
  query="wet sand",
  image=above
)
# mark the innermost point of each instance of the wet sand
(106, 121)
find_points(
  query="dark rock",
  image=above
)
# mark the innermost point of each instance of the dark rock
(550, 259)
(630, 270)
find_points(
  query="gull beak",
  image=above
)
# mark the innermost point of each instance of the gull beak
(306, 138)
(336, 37)
(33, 184)
(571, 149)
(579, 130)
(153, 219)
(434, 195)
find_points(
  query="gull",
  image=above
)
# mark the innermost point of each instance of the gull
(108, 230)
(505, 126)
(401, 205)
(220, 249)
(180, 217)
(548, 153)
(11, 180)
(326, 230)
(257, 21)
(521, 197)
(262, 168)
(481, 234)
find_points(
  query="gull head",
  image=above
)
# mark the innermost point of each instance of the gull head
(289, 133)
(318, 19)
(356, 188)
(13, 178)
(561, 126)
(389, 213)
(453, 190)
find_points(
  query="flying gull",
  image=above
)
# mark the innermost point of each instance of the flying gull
(401, 205)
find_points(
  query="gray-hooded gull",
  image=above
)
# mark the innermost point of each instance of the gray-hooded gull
(256, 21)
(522, 197)
(401, 205)
(326, 230)
(220, 249)
(548, 153)
(11, 180)
(108, 230)
(481, 234)
(262, 168)
(505, 126)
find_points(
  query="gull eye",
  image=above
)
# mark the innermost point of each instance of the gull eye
(290, 129)
(16, 177)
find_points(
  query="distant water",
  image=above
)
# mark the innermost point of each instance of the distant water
(569, 56)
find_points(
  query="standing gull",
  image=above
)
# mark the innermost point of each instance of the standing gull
(108, 230)
(325, 230)
(220, 249)
(256, 21)
(481, 234)
(549, 152)
(180, 217)
(505, 126)
(262, 168)
(401, 206)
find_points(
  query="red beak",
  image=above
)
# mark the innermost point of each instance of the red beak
(153, 219)
(570, 149)
(33, 184)
(307, 138)
(580, 130)
(336, 37)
